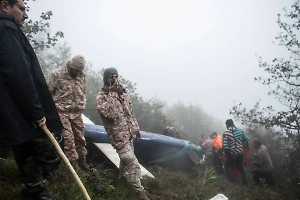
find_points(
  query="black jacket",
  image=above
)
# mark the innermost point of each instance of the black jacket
(24, 95)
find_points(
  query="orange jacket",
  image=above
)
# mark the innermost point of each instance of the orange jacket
(218, 142)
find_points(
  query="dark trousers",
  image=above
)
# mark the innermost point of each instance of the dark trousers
(238, 159)
(217, 154)
(268, 177)
(36, 160)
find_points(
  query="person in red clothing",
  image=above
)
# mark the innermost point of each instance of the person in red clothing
(235, 171)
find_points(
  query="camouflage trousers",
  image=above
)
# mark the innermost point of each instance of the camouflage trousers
(74, 137)
(36, 160)
(130, 167)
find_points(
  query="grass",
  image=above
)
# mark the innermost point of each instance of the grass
(198, 183)
(209, 176)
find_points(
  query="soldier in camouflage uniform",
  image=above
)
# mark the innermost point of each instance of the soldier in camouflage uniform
(67, 86)
(114, 107)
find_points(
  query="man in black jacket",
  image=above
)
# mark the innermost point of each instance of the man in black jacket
(25, 103)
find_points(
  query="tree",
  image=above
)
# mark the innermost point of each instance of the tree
(284, 84)
(192, 121)
(43, 42)
(283, 81)
(38, 30)
(93, 86)
(54, 58)
(150, 114)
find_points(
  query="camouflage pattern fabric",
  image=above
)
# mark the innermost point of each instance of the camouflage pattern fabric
(118, 118)
(68, 93)
(130, 167)
(74, 137)
(207, 147)
(120, 124)
(69, 96)
(36, 160)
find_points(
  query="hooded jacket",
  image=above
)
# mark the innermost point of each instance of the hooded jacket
(24, 95)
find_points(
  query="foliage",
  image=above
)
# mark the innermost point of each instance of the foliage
(44, 43)
(168, 184)
(150, 115)
(38, 31)
(94, 84)
(54, 58)
(283, 158)
(283, 81)
(192, 121)
(209, 175)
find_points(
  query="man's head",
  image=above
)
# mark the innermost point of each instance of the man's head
(229, 123)
(256, 143)
(213, 135)
(110, 75)
(15, 9)
(76, 65)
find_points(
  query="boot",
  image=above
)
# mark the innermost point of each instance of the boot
(83, 165)
(42, 195)
(48, 178)
(75, 165)
(141, 195)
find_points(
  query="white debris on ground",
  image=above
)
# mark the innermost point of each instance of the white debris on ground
(219, 197)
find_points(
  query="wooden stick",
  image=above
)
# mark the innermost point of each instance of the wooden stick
(66, 160)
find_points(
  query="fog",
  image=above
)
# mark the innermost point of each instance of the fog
(202, 52)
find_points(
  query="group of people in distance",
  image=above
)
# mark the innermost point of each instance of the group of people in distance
(29, 102)
(229, 154)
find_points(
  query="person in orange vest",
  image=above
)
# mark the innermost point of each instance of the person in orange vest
(217, 151)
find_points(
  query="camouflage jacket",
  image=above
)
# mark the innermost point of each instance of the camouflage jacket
(68, 93)
(117, 116)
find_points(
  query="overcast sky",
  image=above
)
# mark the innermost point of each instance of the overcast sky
(195, 51)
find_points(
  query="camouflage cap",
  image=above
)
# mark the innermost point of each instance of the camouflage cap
(78, 62)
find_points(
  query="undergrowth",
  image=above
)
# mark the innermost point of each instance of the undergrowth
(199, 183)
